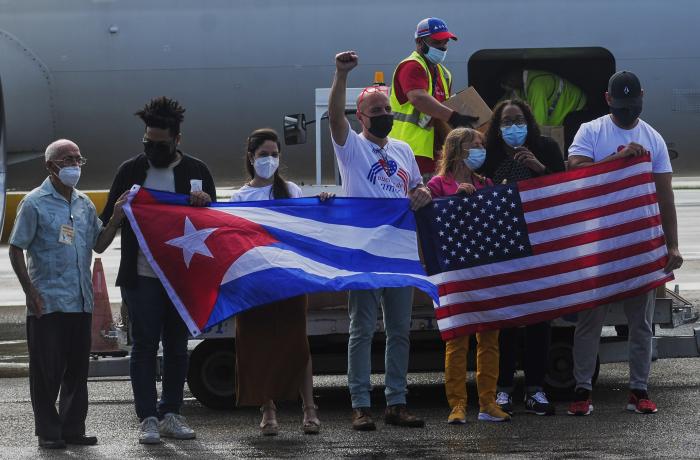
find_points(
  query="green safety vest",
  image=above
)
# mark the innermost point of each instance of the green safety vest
(410, 125)
(551, 97)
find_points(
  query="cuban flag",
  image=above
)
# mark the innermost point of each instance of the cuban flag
(218, 261)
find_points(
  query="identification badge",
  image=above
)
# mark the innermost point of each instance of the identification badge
(66, 234)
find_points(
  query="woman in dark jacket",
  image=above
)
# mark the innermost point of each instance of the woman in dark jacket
(515, 150)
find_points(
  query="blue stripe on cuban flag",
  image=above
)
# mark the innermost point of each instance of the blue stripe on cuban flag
(374, 211)
(346, 243)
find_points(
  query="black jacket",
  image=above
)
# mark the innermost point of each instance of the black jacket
(133, 171)
(546, 150)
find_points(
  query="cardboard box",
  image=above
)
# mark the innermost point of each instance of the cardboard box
(556, 133)
(468, 102)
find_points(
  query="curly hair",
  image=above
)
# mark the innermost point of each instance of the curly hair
(495, 146)
(164, 113)
(253, 143)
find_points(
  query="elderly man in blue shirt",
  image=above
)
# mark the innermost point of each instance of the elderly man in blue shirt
(58, 227)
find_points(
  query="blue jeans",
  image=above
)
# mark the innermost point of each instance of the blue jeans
(153, 317)
(397, 305)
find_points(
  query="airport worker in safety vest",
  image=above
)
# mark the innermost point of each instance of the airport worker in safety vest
(419, 87)
(550, 96)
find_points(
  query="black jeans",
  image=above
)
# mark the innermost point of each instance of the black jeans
(535, 355)
(59, 360)
(152, 317)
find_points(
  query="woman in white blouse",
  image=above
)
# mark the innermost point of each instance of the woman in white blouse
(273, 361)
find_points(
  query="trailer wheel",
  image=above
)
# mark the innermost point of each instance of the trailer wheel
(560, 373)
(212, 373)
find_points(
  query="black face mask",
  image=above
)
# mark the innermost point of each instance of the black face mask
(626, 116)
(159, 154)
(380, 125)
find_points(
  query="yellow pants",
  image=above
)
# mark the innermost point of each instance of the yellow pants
(486, 369)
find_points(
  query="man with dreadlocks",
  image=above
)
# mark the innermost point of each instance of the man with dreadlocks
(161, 166)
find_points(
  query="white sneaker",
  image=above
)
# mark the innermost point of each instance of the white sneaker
(174, 426)
(149, 431)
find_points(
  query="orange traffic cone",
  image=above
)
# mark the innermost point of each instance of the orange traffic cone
(102, 341)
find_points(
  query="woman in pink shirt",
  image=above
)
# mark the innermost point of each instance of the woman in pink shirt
(463, 153)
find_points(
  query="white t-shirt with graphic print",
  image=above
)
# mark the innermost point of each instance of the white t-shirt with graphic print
(600, 138)
(373, 172)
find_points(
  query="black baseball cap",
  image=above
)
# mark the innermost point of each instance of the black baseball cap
(625, 90)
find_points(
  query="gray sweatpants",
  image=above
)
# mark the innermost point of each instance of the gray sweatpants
(640, 314)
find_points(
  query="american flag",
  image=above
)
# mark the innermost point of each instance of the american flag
(531, 251)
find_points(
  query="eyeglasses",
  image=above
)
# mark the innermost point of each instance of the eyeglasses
(506, 122)
(71, 161)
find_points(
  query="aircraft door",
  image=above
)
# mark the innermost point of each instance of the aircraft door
(587, 68)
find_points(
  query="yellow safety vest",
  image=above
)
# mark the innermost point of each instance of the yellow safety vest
(410, 125)
(551, 97)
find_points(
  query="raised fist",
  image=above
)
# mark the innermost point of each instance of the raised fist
(346, 61)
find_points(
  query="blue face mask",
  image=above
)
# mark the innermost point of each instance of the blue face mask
(475, 159)
(436, 56)
(514, 135)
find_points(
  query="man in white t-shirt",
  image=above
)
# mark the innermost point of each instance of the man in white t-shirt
(618, 135)
(375, 166)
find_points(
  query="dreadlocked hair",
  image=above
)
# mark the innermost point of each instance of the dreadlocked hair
(164, 113)
(253, 143)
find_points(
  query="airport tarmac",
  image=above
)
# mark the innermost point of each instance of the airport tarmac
(610, 432)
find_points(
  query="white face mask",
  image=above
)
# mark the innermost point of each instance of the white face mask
(265, 167)
(69, 175)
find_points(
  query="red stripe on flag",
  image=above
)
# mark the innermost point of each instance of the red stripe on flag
(580, 173)
(549, 293)
(548, 315)
(588, 214)
(586, 193)
(548, 270)
(596, 235)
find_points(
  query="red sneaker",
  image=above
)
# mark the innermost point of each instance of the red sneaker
(641, 405)
(580, 407)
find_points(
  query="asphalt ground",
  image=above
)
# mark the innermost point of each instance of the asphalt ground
(610, 432)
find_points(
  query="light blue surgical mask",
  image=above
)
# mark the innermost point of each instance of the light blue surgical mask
(436, 56)
(475, 159)
(514, 135)
(69, 175)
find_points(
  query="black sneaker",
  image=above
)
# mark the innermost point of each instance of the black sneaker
(505, 401)
(537, 403)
